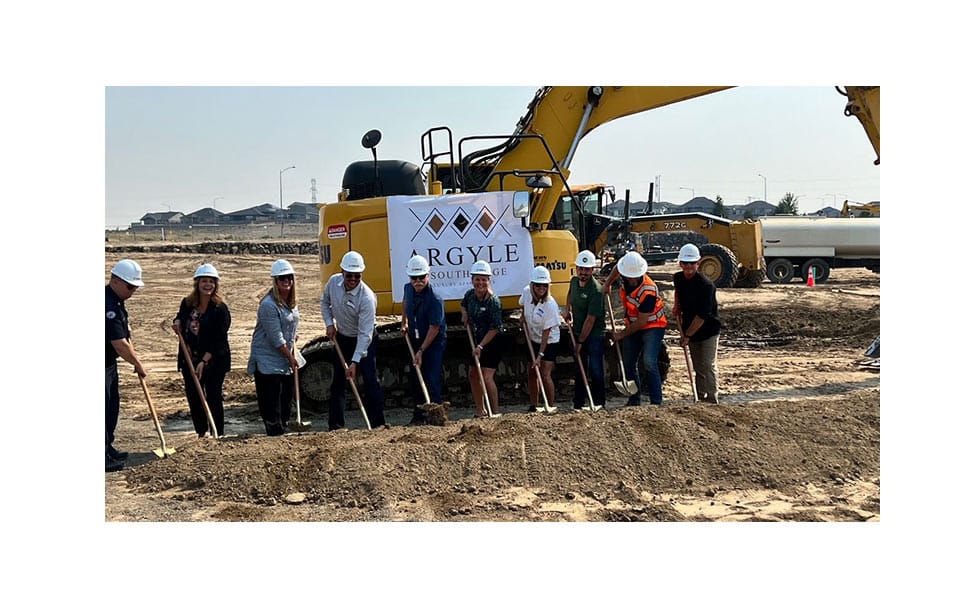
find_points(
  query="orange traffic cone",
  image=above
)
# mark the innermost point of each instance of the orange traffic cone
(809, 278)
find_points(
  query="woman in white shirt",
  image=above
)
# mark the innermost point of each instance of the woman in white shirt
(543, 317)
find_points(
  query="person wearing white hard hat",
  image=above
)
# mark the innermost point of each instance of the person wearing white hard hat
(348, 307)
(482, 311)
(203, 321)
(646, 323)
(696, 310)
(586, 313)
(424, 321)
(543, 319)
(126, 276)
(271, 361)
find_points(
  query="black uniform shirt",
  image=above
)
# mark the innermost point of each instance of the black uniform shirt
(116, 324)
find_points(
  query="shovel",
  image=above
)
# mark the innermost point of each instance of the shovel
(197, 384)
(581, 367)
(625, 387)
(479, 370)
(544, 395)
(353, 383)
(163, 451)
(687, 359)
(298, 425)
(418, 372)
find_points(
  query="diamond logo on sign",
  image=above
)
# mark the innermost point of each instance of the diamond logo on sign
(461, 222)
(486, 220)
(435, 223)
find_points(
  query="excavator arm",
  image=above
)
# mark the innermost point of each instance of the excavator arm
(562, 116)
(863, 102)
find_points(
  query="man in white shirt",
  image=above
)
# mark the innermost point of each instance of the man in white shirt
(348, 307)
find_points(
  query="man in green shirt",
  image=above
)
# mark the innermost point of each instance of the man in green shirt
(587, 315)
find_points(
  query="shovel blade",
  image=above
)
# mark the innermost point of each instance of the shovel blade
(299, 427)
(163, 453)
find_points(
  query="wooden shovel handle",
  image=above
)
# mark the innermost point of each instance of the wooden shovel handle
(197, 383)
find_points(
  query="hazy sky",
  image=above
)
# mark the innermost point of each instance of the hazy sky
(185, 148)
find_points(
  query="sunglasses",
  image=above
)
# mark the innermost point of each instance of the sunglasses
(352, 275)
(418, 277)
(130, 287)
(284, 278)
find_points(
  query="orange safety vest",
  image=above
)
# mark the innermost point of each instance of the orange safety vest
(631, 304)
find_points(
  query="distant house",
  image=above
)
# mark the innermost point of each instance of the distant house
(617, 208)
(699, 204)
(302, 212)
(161, 218)
(753, 209)
(204, 216)
(263, 213)
(826, 211)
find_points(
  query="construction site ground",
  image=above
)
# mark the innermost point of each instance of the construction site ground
(795, 438)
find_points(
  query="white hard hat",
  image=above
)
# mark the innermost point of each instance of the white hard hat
(585, 259)
(282, 267)
(417, 265)
(352, 262)
(480, 267)
(129, 271)
(540, 275)
(632, 265)
(206, 270)
(689, 254)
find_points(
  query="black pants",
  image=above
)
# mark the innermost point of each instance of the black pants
(275, 393)
(367, 371)
(212, 383)
(111, 404)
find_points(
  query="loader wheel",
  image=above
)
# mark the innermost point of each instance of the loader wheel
(719, 265)
(821, 270)
(317, 375)
(779, 270)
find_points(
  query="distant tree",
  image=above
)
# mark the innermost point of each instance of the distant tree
(720, 207)
(788, 205)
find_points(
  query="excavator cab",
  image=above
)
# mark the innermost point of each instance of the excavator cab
(367, 179)
(379, 178)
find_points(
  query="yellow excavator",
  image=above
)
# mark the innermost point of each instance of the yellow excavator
(530, 166)
(858, 210)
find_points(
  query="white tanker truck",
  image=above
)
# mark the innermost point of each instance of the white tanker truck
(793, 244)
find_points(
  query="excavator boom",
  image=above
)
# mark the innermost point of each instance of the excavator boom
(563, 115)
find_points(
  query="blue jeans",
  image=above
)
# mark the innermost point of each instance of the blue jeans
(593, 360)
(431, 371)
(372, 395)
(649, 342)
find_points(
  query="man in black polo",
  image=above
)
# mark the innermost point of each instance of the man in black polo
(125, 279)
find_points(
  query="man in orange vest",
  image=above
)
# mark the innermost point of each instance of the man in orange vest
(646, 322)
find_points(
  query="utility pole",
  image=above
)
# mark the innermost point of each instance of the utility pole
(282, 213)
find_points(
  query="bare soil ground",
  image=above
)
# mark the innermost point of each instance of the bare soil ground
(796, 437)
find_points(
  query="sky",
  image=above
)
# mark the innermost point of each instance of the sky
(183, 148)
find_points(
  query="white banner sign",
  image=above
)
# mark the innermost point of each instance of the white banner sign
(454, 231)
